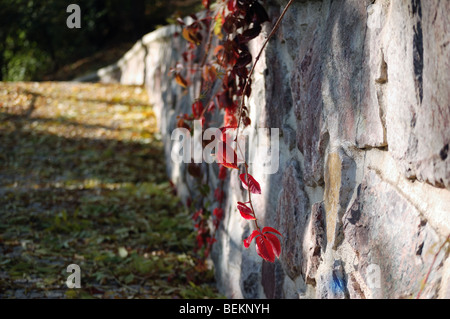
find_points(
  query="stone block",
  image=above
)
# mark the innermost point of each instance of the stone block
(418, 94)
(292, 217)
(340, 174)
(393, 244)
(314, 243)
(306, 84)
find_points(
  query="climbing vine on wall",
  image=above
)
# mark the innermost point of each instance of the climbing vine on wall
(217, 50)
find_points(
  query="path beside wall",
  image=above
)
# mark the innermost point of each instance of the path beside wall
(360, 93)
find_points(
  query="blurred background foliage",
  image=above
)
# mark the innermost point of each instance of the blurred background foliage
(36, 44)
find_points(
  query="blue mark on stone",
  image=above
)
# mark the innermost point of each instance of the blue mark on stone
(337, 285)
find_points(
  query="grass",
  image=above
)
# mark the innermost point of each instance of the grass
(82, 181)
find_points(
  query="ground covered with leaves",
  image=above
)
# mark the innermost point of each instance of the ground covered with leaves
(82, 181)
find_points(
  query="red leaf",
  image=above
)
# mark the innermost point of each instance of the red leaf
(197, 214)
(227, 53)
(225, 137)
(203, 119)
(224, 129)
(194, 170)
(244, 208)
(182, 123)
(246, 120)
(249, 239)
(180, 80)
(224, 100)
(192, 35)
(219, 193)
(260, 12)
(252, 185)
(230, 118)
(219, 49)
(200, 241)
(218, 212)
(222, 172)
(231, 5)
(206, 3)
(275, 243)
(245, 211)
(249, 34)
(265, 249)
(273, 230)
(244, 204)
(247, 216)
(209, 73)
(244, 59)
(197, 108)
(226, 155)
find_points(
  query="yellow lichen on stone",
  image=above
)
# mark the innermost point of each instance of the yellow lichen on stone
(331, 196)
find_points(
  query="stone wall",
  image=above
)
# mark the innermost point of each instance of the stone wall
(360, 93)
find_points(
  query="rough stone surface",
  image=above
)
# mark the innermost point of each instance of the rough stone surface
(314, 243)
(418, 112)
(272, 277)
(339, 184)
(278, 97)
(390, 239)
(292, 216)
(359, 91)
(333, 284)
(342, 48)
(371, 126)
(306, 86)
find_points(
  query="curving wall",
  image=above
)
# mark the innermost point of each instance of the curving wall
(360, 93)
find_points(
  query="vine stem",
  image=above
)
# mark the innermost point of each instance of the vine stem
(250, 198)
(431, 267)
(274, 29)
(277, 24)
(210, 35)
(249, 193)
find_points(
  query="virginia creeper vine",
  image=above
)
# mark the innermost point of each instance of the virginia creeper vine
(230, 26)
